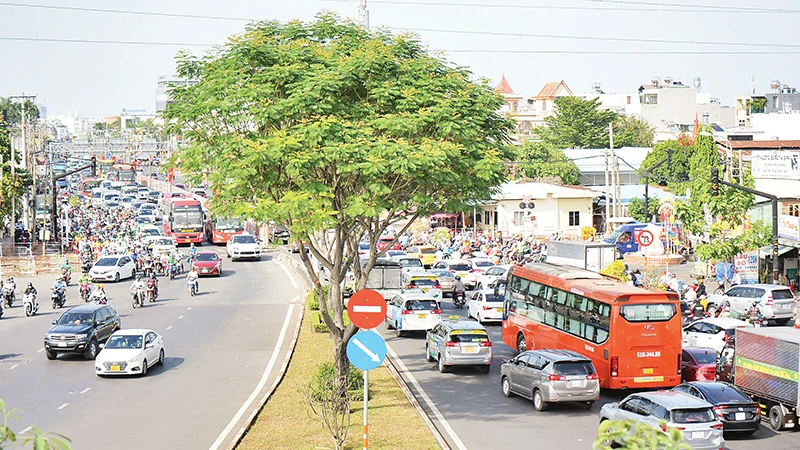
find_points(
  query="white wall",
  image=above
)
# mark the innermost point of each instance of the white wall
(782, 126)
(780, 188)
(552, 216)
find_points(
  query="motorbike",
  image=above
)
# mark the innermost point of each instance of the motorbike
(30, 304)
(151, 290)
(137, 297)
(8, 296)
(147, 268)
(86, 265)
(66, 274)
(98, 298)
(192, 286)
(159, 268)
(58, 299)
(172, 270)
(459, 299)
(85, 292)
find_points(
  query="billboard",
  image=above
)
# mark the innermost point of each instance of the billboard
(782, 165)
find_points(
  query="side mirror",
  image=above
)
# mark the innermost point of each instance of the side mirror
(53, 322)
(148, 345)
(101, 345)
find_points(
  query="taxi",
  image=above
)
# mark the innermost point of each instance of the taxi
(427, 253)
(412, 311)
(425, 282)
(457, 342)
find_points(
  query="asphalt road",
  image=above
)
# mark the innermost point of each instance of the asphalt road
(480, 416)
(217, 344)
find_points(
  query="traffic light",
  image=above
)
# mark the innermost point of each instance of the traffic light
(714, 182)
(94, 166)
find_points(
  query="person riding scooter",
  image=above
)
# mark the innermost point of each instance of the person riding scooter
(459, 291)
(31, 295)
(98, 295)
(60, 289)
(153, 281)
(66, 271)
(193, 278)
(9, 289)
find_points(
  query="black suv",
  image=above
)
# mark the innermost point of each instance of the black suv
(280, 233)
(80, 329)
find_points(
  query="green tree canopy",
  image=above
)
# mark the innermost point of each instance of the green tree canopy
(577, 123)
(542, 160)
(675, 172)
(631, 131)
(724, 249)
(337, 132)
(12, 111)
(11, 187)
(636, 208)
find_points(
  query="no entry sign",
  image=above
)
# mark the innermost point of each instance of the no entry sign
(366, 309)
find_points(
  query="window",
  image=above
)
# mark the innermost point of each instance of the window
(574, 218)
(660, 312)
(699, 415)
(632, 405)
(519, 217)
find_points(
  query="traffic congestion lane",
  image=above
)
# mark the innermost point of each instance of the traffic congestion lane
(217, 344)
(474, 407)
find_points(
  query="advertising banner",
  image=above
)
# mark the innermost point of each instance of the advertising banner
(789, 227)
(781, 165)
(746, 265)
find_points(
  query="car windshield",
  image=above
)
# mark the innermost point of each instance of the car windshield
(461, 267)
(782, 294)
(154, 194)
(124, 341)
(410, 262)
(187, 218)
(419, 282)
(483, 263)
(76, 318)
(164, 242)
(724, 393)
(146, 212)
(151, 232)
(654, 312)
(705, 356)
(568, 368)
(147, 206)
(468, 336)
(421, 305)
(106, 262)
(427, 251)
(698, 415)
(206, 257)
(443, 274)
(228, 225)
(244, 240)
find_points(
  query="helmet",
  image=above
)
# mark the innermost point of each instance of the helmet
(138, 277)
(458, 278)
(191, 245)
(100, 286)
(30, 285)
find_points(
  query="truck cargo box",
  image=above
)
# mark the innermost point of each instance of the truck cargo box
(594, 256)
(767, 363)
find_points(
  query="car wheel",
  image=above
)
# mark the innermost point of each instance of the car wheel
(388, 324)
(50, 355)
(587, 405)
(711, 310)
(398, 332)
(91, 350)
(161, 357)
(505, 385)
(442, 367)
(538, 401)
(783, 322)
(479, 287)
(116, 277)
(428, 356)
(521, 344)
(144, 367)
(776, 417)
(479, 319)
(228, 255)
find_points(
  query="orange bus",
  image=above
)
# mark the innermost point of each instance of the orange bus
(87, 184)
(632, 335)
(219, 230)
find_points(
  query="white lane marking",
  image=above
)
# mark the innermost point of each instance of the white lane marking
(180, 317)
(189, 308)
(291, 277)
(40, 350)
(85, 390)
(218, 443)
(446, 425)
(366, 309)
(13, 367)
(169, 327)
(25, 430)
(63, 406)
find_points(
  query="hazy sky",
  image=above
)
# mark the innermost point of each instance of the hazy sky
(101, 79)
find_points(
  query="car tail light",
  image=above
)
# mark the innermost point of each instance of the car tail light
(436, 311)
(487, 308)
(410, 286)
(679, 364)
(665, 428)
(556, 378)
(717, 425)
(758, 410)
(419, 256)
(451, 270)
(769, 300)
(437, 286)
(486, 344)
(725, 338)
(720, 410)
(593, 376)
(408, 311)
(615, 365)
(453, 344)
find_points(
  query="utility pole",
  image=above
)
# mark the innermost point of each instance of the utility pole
(608, 200)
(363, 13)
(23, 117)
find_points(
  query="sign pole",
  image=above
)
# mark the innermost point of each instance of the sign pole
(366, 400)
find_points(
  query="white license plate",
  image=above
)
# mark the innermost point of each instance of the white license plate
(740, 416)
(698, 434)
(469, 349)
(575, 383)
(421, 316)
(787, 306)
(62, 344)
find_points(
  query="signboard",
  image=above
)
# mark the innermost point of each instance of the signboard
(746, 265)
(645, 238)
(783, 165)
(366, 308)
(789, 227)
(366, 350)
(587, 233)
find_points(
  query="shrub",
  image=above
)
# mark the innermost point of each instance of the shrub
(617, 270)
(313, 303)
(323, 380)
(320, 326)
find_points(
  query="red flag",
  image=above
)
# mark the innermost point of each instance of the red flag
(696, 126)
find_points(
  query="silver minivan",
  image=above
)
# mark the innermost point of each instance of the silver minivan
(693, 417)
(776, 302)
(551, 376)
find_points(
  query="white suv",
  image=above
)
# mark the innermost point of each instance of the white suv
(777, 302)
(243, 246)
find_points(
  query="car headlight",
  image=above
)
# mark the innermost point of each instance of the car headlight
(81, 337)
(48, 336)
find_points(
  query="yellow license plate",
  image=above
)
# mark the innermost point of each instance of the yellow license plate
(114, 368)
(187, 240)
(422, 316)
(469, 349)
(499, 309)
(647, 371)
(424, 289)
(647, 379)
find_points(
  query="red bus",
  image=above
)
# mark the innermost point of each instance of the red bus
(632, 335)
(87, 184)
(219, 230)
(185, 221)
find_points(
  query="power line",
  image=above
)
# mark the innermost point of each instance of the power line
(92, 41)
(119, 11)
(726, 8)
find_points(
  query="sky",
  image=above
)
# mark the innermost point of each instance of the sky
(102, 79)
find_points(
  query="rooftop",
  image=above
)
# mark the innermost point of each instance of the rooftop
(762, 145)
(516, 191)
(503, 87)
(548, 91)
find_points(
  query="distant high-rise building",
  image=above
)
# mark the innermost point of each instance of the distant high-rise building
(164, 83)
(42, 111)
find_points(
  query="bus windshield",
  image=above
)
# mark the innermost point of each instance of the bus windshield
(228, 225)
(187, 219)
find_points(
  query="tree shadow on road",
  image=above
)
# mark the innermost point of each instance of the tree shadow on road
(9, 355)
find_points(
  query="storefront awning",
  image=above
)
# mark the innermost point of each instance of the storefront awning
(766, 251)
(443, 215)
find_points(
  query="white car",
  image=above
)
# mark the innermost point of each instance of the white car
(142, 193)
(484, 306)
(112, 268)
(462, 268)
(130, 352)
(243, 246)
(712, 333)
(149, 230)
(148, 215)
(149, 206)
(488, 278)
(409, 263)
(163, 244)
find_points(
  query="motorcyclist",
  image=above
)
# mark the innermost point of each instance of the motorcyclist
(192, 252)
(171, 263)
(701, 288)
(137, 285)
(60, 288)
(10, 285)
(193, 277)
(458, 286)
(155, 283)
(754, 312)
(99, 293)
(31, 289)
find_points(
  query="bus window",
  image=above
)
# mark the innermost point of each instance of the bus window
(651, 312)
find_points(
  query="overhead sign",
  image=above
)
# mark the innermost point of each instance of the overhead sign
(783, 165)
(645, 238)
(366, 350)
(366, 308)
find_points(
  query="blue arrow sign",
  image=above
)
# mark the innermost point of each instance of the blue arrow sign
(366, 350)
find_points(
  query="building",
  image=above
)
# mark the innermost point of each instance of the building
(75, 123)
(537, 209)
(592, 164)
(129, 117)
(165, 82)
(774, 164)
(530, 112)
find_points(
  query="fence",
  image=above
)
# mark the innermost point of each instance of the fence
(32, 258)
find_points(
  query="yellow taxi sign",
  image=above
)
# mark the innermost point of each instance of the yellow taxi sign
(476, 331)
(453, 318)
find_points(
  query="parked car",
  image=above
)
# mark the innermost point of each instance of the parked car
(698, 364)
(734, 408)
(491, 275)
(280, 233)
(713, 332)
(80, 330)
(446, 279)
(549, 376)
(207, 263)
(459, 343)
(485, 306)
(426, 253)
(777, 302)
(412, 311)
(130, 352)
(112, 268)
(243, 246)
(460, 267)
(695, 418)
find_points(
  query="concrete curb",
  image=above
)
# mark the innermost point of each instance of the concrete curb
(389, 364)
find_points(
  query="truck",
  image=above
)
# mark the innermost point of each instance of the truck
(766, 366)
(594, 256)
(385, 277)
(624, 236)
